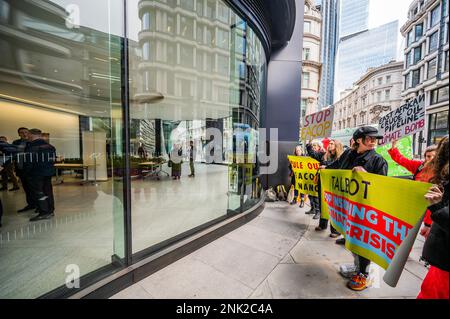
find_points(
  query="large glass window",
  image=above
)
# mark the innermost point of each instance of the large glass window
(179, 183)
(306, 53)
(417, 54)
(187, 27)
(419, 31)
(434, 42)
(410, 38)
(446, 61)
(415, 77)
(432, 68)
(439, 95)
(193, 133)
(307, 27)
(187, 4)
(60, 81)
(306, 77)
(408, 58)
(435, 16)
(438, 127)
(407, 83)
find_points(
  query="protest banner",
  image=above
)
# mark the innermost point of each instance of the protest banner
(404, 145)
(406, 120)
(305, 169)
(317, 125)
(374, 213)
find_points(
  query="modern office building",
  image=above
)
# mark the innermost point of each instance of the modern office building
(353, 17)
(426, 66)
(358, 53)
(311, 65)
(374, 95)
(121, 88)
(329, 42)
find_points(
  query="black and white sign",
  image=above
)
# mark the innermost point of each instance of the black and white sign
(406, 120)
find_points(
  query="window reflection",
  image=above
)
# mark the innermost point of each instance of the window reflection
(63, 79)
(195, 67)
(212, 79)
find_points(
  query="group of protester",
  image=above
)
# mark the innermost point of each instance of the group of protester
(31, 158)
(362, 157)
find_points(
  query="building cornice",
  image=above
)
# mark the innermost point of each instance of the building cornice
(386, 67)
(313, 18)
(312, 63)
(424, 10)
(311, 36)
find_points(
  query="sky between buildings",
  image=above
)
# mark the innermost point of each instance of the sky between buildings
(384, 11)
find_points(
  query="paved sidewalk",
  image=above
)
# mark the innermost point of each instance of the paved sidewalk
(276, 255)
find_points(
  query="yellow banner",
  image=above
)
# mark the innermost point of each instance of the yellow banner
(375, 213)
(305, 169)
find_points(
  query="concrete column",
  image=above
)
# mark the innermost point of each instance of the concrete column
(284, 97)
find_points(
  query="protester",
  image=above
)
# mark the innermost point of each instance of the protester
(362, 158)
(435, 250)
(297, 152)
(39, 169)
(315, 150)
(333, 153)
(422, 171)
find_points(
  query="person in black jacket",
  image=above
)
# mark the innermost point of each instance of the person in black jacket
(435, 250)
(315, 150)
(39, 168)
(21, 144)
(362, 158)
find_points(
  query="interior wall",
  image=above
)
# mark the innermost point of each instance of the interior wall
(63, 127)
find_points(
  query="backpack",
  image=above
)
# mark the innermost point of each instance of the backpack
(281, 193)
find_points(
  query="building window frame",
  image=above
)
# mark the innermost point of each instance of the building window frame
(431, 68)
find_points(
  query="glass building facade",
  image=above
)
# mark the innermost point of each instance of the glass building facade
(128, 98)
(353, 17)
(360, 52)
(330, 34)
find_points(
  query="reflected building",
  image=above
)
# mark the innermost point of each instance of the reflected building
(102, 96)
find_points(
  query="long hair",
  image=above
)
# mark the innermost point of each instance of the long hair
(338, 151)
(440, 163)
(298, 147)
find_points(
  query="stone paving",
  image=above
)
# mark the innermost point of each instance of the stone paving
(276, 255)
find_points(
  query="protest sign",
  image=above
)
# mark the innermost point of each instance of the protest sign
(404, 145)
(317, 125)
(374, 213)
(305, 169)
(403, 121)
